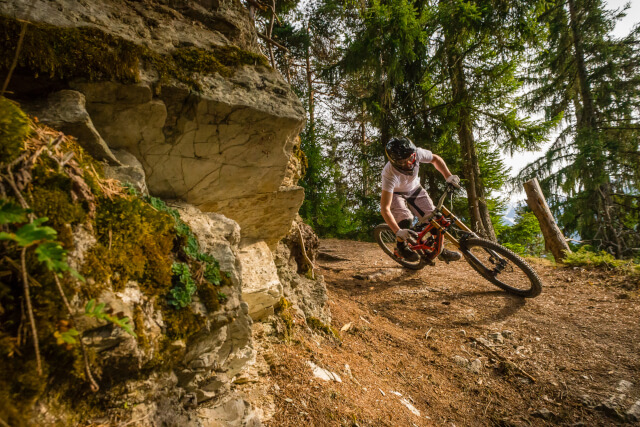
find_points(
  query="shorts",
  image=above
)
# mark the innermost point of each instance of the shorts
(406, 205)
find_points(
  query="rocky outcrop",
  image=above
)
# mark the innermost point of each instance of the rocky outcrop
(222, 144)
(301, 286)
(224, 147)
(65, 110)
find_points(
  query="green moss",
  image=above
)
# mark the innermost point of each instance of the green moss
(135, 241)
(65, 53)
(208, 294)
(283, 310)
(181, 323)
(138, 322)
(319, 325)
(302, 158)
(87, 52)
(14, 129)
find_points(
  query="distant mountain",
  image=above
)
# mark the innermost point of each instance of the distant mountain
(509, 217)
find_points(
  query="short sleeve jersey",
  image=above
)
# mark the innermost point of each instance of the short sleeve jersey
(392, 180)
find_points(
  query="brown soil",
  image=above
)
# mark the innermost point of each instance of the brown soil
(562, 359)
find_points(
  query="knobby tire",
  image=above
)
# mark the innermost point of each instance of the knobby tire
(528, 286)
(386, 239)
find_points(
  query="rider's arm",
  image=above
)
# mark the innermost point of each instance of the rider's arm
(385, 210)
(441, 166)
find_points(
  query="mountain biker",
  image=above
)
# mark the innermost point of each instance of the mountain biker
(401, 187)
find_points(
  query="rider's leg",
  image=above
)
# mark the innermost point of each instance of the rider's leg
(404, 219)
(421, 204)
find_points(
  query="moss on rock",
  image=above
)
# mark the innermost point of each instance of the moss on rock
(63, 53)
(14, 129)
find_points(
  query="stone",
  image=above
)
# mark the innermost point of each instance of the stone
(231, 412)
(623, 386)
(323, 374)
(261, 287)
(633, 413)
(410, 406)
(66, 111)
(544, 413)
(129, 172)
(507, 334)
(496, 337)
(461, 361)
(476, 366)
(217, 235)
(309, 295)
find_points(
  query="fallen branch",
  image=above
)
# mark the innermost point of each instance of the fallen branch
(27, 297)
(304, 253)
(507, 360)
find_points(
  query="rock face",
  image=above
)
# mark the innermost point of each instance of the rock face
(65, 110)
(224, 148)
(309, 295)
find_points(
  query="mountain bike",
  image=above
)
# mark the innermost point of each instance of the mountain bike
(492, 261)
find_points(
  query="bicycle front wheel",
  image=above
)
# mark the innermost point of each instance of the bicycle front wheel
(501, 267)
(387, 241)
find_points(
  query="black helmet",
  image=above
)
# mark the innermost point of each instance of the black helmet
(402, 154)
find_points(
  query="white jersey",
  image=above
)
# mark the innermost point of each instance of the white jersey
(393, 180)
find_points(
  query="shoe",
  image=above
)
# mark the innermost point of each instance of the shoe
(447, 256)
(405, 252)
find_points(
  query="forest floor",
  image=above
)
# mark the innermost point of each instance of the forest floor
(443, 347)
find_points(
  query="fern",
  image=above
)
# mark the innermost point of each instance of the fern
(98, 311)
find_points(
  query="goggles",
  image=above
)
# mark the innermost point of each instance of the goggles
(406, 164)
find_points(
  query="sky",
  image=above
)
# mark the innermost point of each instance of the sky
(623, 27)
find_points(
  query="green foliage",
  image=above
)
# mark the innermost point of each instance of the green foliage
(525, 236)
(184, 286)
(14, 129)
(31, 233)
(66, 337)
(11, 213)
(586, 256)
(98, 311)
(591, 173)
(191, 246)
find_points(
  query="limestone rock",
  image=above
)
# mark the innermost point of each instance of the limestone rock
(633, 413)
(233, 412)
(309, 295)
(131, 171)
(217, 235)
(65, 111)
(261, 287)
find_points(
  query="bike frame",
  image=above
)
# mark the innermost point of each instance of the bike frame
(430, 240)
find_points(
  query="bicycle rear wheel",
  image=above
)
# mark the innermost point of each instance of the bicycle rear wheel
(501, 267)
(387, 241)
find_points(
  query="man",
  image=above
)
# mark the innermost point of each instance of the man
(401, 187)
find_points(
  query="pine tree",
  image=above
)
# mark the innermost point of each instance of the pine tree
(591, 172)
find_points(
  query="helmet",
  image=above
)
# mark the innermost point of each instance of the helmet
(402, 154)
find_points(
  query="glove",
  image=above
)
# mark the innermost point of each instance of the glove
(404, 234)
(454, 180)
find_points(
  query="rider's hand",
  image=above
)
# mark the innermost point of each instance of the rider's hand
(404, 234)
(454, 180)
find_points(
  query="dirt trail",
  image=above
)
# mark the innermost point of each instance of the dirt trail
(410, 342)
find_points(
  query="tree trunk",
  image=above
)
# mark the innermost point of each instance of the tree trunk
(310, 90)
(553, 238)
(586, 124)
(480, 218)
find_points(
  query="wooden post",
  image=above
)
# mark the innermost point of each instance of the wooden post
(553, 238)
